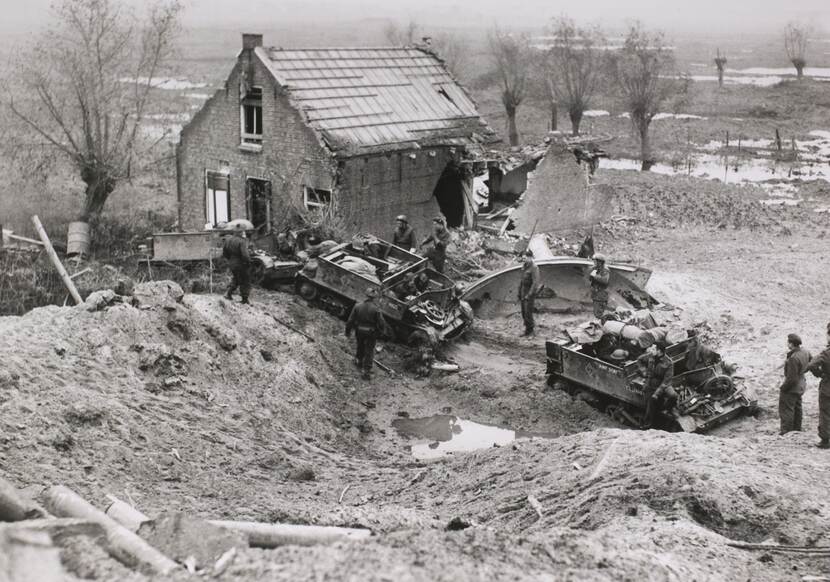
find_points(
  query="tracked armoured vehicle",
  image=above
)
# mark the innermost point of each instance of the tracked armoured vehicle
(594, 360)
(426, 313)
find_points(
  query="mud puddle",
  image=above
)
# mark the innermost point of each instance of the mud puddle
(445, 434)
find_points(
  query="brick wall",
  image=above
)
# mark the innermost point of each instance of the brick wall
(559, 198)
(291, 155)
(370, 191)
(374, 189)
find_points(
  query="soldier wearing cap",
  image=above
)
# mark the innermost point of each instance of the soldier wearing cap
(368, 324)
(819, 366)
(599, 277)
(404, 236)
(528, 288)
(791, 390)
(440, 239)
(235, 250)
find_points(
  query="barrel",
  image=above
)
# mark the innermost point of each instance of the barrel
(77, 240)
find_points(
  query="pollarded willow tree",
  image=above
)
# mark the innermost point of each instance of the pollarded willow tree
(86, 86)
(796, 39)
(573, 67)
(643, 70)
(512, 60)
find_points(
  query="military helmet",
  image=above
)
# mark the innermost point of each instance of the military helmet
(599, 257)
(402, 218)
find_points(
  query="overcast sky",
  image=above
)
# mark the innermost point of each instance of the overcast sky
(672, 15)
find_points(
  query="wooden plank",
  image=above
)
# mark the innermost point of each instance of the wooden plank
(53, 256)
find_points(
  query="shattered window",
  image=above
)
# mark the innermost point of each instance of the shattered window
(315, 198)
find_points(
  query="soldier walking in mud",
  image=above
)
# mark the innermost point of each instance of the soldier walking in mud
(658, 371)
(791, 390)
(820, 367)
(440, 239)
(235, 250)
(528, 288)
(368, 323)
(599, 277)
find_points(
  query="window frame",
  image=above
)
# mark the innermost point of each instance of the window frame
(210, 197)
(315, 205)
(253, 100)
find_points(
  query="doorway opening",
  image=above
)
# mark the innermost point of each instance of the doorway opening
(259, 205)
(449, 193)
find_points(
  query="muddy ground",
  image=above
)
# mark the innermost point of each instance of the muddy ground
(205, 406)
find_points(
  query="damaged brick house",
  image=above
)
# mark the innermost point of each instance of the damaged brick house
(365, 133)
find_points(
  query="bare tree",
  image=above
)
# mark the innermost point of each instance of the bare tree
(398, 35)
(796, 38)
(642, 70)
(720, 63)
(511, 55)
(573, 67)
(87, 85)
(454, 51)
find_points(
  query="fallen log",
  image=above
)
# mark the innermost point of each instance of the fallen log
(123, 545)
(14, 507)
(260, 535)
(273, 535)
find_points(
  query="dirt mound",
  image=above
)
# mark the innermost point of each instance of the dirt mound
(174, 389)
(654, 200)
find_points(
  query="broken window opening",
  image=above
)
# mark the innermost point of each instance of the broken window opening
(251, 116)
(217, 198)
(316, 199)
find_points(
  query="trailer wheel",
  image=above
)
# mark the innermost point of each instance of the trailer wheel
(307, 291)
(720, 384)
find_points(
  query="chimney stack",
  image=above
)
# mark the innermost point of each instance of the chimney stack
(251, 41)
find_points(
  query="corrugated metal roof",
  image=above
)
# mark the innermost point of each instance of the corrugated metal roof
(364, 99)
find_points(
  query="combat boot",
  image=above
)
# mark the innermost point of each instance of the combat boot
(229, 296)
(245, 301)
(824, 444)
(367, 375)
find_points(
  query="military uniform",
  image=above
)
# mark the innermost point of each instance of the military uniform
(404, 238)
(791, 390)
(659, 371)
(235, 250)
(367, 322)
(600, 278)
(437, 254)
(528, 288)
(820, 366)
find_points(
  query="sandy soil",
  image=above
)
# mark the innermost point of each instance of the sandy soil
(200, 405)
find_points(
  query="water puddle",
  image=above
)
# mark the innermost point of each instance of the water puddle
(444, 434)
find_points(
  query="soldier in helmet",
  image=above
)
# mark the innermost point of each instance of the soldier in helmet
(600, 276)
(235, 250)
(368, 324)
(404, 236)
(819, 366)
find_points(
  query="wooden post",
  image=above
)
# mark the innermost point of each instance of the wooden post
(56, 261)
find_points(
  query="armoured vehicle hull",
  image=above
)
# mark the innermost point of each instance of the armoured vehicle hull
(707, 396)
(339, 278)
